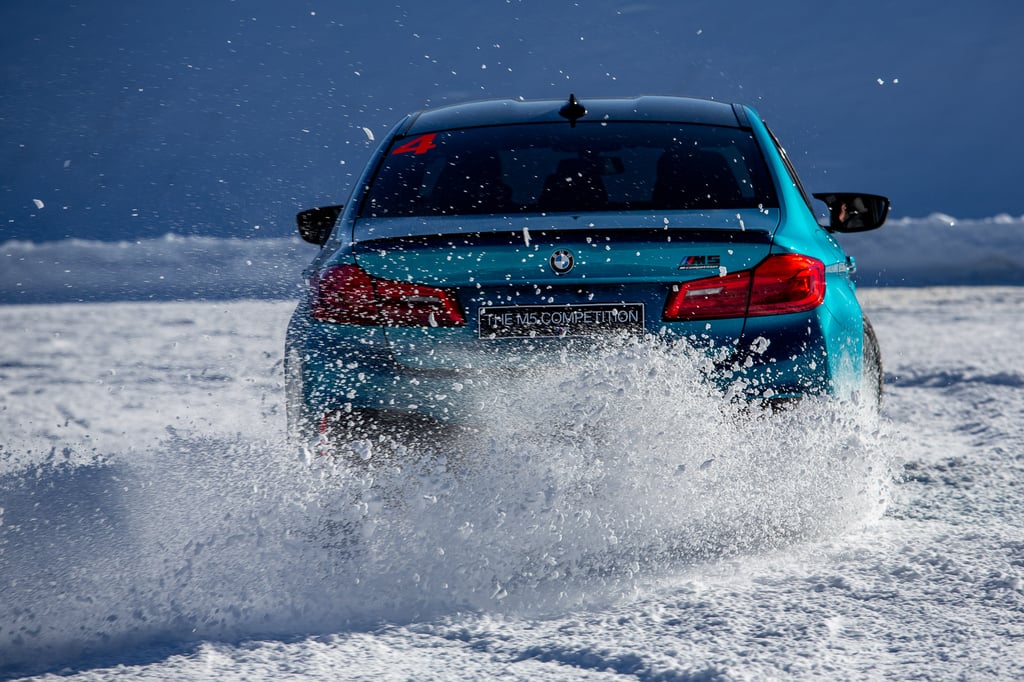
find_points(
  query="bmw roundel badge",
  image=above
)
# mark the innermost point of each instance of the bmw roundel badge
(562, 261)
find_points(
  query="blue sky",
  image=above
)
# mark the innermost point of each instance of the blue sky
(223, 118)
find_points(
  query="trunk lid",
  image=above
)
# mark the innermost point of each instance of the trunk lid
(529, 285)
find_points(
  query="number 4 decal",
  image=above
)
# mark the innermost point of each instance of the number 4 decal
(417, 145)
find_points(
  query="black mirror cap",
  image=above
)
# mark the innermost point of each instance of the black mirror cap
(315, 224)
(852, 212)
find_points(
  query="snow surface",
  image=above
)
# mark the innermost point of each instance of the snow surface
(156, 526)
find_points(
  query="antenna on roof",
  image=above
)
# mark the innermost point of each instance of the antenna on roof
(573, 111)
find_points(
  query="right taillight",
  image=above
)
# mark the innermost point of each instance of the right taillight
(347, 294)
(787, 283)
(784, 283)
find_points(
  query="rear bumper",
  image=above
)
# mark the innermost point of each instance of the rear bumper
(338, 369)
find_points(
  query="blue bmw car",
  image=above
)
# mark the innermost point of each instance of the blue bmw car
(490, 237)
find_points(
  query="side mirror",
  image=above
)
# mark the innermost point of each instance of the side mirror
(315, 224)
(850, 212)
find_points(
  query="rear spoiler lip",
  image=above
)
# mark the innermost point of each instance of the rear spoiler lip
(509, 238)
(718, 224)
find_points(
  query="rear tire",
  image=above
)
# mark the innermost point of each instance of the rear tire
(874, 375)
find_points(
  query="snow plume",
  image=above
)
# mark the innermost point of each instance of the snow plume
(203, 538)
(583, 484)
(585, 480)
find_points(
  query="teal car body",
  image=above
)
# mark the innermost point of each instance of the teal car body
(502, 236)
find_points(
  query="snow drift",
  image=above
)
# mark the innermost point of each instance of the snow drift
(937, 250)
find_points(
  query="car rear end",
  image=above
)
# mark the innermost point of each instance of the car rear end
(486, 249)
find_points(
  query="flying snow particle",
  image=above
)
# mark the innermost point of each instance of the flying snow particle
(369, 133)
(880, 81)
(39, 203)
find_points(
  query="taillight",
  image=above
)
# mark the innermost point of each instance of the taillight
(786, 283)
(343, 294)
(347, 294)
(710, 298)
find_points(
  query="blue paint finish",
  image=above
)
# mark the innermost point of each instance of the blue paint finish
(637, 255)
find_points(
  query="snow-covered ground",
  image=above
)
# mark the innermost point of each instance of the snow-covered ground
(156, 526)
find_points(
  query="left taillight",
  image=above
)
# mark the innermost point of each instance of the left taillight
(347, 294)
(780, 284)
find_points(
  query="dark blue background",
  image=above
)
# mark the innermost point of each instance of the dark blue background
(219, 117)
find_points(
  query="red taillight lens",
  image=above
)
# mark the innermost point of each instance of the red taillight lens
(710, 298)
(347, 294)
(786, 283)
(343, 294)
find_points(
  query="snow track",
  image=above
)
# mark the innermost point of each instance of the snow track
(154, 523)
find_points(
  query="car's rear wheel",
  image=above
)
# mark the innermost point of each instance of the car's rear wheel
(874, 376)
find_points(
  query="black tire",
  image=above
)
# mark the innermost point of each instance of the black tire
(874, 375)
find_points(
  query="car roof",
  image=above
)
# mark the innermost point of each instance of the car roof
(508, 111)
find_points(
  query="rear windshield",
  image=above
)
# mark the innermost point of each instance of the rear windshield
(552, 167)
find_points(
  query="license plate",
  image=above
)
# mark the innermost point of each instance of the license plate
(586, 319)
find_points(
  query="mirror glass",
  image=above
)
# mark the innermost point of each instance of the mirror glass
(851, 212)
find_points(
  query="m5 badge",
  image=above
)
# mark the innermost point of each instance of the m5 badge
(711, 262)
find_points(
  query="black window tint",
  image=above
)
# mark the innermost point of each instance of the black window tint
(556, 168)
